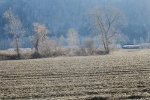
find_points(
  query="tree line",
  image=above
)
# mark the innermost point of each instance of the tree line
(106, 22)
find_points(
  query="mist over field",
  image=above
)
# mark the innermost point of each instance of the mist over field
(61, 15)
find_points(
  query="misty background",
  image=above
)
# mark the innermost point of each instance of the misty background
(61, 15)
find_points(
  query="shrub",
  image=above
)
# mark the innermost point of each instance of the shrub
(27, 56)
(5, 56)
(36, 55)
(50, 48)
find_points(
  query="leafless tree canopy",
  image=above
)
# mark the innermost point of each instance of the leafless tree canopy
(107, 22)
(73, 37)
(15, 28)
(41, 35)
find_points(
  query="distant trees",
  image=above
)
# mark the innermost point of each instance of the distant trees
(121, 39)
(148, 37)
(74, 14)
(39, 37)
(142, 41)
(107, 22)
(62, 40)
(15, 29)
(73, 38)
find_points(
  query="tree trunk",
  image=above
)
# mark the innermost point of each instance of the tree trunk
(107, 48)
(36, 46)
(105, 43)
(17, 48)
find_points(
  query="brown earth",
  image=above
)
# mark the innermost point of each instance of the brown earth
(112, 77)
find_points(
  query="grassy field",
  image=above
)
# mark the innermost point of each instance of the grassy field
(118, 76)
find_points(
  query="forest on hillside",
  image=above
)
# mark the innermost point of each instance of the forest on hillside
(61, 15)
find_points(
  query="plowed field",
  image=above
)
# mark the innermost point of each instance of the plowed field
(112, 77)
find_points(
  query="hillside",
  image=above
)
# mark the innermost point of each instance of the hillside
(59, 16)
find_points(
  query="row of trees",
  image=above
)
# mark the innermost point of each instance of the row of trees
(106, 22)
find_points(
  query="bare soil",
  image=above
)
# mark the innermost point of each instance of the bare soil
(112, 77)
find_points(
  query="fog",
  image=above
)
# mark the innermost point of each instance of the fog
(61, 15)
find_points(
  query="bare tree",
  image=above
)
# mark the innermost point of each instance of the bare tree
(121, 39)
(141, 41)
(107, 22)
(73, 37)
(4, 44)
(15, 28)
(135, 42)
(148, 37)
(41, 35)
(62, 40)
